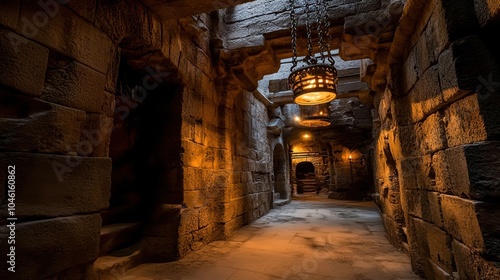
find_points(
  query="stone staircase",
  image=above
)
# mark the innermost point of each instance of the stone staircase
(306, 185)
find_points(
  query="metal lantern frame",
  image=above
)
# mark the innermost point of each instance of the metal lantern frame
(313, 83)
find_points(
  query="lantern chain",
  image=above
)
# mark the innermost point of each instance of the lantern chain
(293, 19)
(319, 28)
(326, 26)
(309, 58)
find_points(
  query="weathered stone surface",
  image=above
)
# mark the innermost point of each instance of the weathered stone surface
(51, 186)
(471, 265)
(75, 85)
(488, 12)
(460, 18)
(162, 234)
(436, 214)
(431, 134)
(433, 271)
(465, 66)
(472, 223)
(439, 243)
(32, 125)
(426, 97)
(9, 13)
(96, 136)
(23, 63)
(68, 34)
(468, 171)
(464, 124)
(72, 241)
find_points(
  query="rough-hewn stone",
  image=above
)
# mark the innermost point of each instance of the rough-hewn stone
(464, 124)
(32, 125)
(464, 67)
(471, 265)
(23, 63)
(75, 85)
(72, 241)
(472, 223)
(9, 13)
(67, 34)
(51, 186)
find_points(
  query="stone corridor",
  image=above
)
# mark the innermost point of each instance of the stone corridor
(310, 238)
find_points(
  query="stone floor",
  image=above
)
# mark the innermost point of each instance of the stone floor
(310, 238)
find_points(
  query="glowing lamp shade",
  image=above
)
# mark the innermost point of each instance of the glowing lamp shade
(314, 84)
(315, 116)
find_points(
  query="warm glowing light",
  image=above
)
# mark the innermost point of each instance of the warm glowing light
(297, 119)
(350, 157)
(306, 136)
(321, 113)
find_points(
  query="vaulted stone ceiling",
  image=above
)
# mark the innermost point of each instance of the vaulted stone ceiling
(172, 9)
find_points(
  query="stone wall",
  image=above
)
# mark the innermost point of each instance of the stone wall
(436, 148)
(58, 99)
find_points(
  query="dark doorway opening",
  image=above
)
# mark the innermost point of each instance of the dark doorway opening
(305, 174)
(144, 148)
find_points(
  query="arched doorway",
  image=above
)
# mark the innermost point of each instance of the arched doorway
(279, 163)
(305, 173)
(144, 149)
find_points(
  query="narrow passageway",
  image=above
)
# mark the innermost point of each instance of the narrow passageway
(310, 238)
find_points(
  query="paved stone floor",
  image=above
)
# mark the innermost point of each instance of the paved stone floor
(310, 238)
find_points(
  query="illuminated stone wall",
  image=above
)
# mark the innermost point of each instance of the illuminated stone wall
(436, 148)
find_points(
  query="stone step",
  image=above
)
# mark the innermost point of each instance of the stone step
(119, 214)
(114, 265)
(117, 236)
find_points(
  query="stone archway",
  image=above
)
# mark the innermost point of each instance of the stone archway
(279, 168)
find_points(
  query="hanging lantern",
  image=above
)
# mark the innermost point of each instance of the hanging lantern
(315, 116)
(313, 83)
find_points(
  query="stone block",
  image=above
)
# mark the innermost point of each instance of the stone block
(436, 214)
(193, 154)
(403, 142)
(450, 170)
(32, 125)
(23, 63)
(471, 265)
(431, 133)
(435, 33)
(488, 12)
(426, 97)
(52, 186)
(433, 271)
(195, 199)
(66, 33)
(464, 124)
(71, 241)
(9, 13)
(467, 66)
(416, 173)
(469, 171)
(439, 243)
(189, 221)
(483, 163)
(461, 222)
(459, 17)
(75, 85)
(473, 223)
